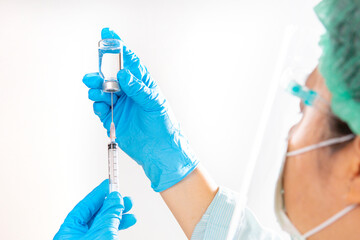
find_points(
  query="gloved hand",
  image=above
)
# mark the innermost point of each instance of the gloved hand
(95, 217)
(145, 126)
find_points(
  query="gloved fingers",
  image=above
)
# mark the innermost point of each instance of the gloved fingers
(101, 109)
(93, 80)
(127, 204)
(110, 214)
(127, 207)
(127, 221)
(98, 95)
(138, 91)
(131, 61)
(108, 33)
(149, 81)
(86, 208)
(135, 66)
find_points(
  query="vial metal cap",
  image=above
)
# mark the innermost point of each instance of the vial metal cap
(111, 86)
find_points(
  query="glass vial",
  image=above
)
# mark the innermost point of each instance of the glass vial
(110, 62)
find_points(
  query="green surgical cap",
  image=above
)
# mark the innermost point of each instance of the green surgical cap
(340, 60)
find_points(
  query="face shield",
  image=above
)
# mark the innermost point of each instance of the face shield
(282, 111)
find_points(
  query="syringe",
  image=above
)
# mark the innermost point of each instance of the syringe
(110, 62)
(113, 155)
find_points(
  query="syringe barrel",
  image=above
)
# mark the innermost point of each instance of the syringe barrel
(113, 161)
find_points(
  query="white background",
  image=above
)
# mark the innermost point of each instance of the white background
(214, 61)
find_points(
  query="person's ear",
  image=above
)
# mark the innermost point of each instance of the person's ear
(354, 190)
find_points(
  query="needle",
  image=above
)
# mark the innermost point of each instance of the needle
(112, 126)
(112, 108)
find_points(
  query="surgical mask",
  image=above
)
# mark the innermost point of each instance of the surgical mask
(280, 210)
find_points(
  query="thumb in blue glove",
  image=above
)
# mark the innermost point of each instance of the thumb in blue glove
(96, 217)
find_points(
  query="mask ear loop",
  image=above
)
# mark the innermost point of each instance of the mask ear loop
(329, 221)
(346, 210)
(326, 143)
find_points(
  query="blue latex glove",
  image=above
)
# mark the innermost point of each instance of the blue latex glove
(145, 126)
(95, 217)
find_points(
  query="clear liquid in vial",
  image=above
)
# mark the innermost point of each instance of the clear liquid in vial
(110, 63)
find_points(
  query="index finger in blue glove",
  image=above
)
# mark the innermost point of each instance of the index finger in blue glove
(110, 213)
(108, 33)
(134, 64)
(134, 88)
(127, 204)
(127, 221)
(93, 80)
(98, 95)
(87, 207)
(101, 109)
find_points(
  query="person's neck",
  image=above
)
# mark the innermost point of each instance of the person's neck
(343, 228)
(324, 205)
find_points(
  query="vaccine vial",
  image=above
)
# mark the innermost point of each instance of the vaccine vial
(110, 62)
